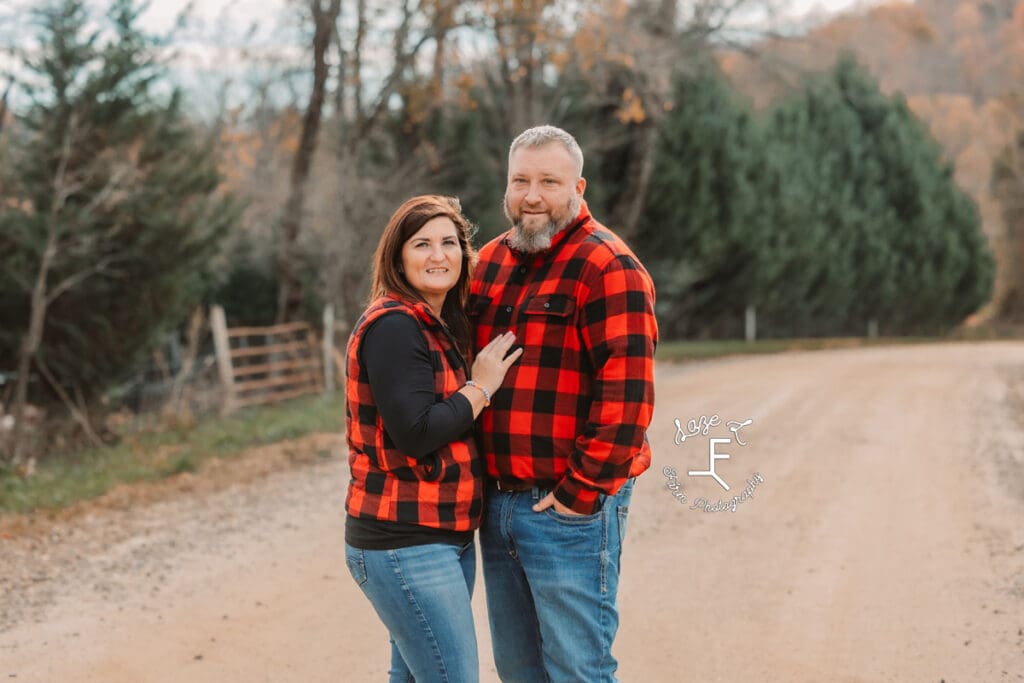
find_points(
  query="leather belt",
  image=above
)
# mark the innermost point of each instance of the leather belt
(512, 487)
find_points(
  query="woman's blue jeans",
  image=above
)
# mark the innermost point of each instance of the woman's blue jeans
(422, 594)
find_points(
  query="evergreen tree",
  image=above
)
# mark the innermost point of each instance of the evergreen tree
(880, 230)
(945, 268)
(818, 195)
(112, 213)
(702, 234)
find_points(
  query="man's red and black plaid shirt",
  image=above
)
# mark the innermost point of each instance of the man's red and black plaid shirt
(573, 411)
(443, 490)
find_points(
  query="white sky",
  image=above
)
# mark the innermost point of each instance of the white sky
(245, 41)
(230, 19)
(163, 12)
(219, 28)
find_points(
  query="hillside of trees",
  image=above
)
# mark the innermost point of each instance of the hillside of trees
(608, 71)
(960, 66)
(747, 181)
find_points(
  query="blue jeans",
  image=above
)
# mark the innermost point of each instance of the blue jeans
(551, 582)
(422, 594)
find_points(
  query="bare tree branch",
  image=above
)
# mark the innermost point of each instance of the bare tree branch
(175, 402)
(77, 411)
(357, 57)
(73, 281)
(290, 296)
(402, 60)
(110, 187)
(3, 103)
(38, 304)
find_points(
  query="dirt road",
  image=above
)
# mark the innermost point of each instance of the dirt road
(884, 541)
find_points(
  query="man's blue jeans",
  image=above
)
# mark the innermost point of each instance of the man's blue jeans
(422, 594)
(551, 582)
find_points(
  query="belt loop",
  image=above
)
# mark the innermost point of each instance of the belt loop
(536, 492)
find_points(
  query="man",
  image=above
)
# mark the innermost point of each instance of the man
(566, 432)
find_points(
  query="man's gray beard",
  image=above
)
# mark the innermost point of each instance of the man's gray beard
(540, 240)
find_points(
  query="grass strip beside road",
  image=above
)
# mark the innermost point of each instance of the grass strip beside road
(62, 480)
(696, 350)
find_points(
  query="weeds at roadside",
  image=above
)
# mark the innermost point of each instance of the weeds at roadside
(64, 479)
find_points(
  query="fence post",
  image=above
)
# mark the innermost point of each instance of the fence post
(328, 348)
(751, 324)
(218, 323)
(872, 329)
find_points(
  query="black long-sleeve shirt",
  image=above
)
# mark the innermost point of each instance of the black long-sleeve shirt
(397, 360)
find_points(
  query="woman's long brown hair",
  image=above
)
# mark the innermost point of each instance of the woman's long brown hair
(407, 220)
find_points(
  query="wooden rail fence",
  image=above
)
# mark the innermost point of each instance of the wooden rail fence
(259, 365)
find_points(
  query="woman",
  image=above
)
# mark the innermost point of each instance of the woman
(416, 492)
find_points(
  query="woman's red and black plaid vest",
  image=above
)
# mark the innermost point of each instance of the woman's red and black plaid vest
(443, 490)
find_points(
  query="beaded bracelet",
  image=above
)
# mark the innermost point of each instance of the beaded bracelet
(483, 390)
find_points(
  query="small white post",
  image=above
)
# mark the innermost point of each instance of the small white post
(327, 347)
(873, 329)
(751, 324)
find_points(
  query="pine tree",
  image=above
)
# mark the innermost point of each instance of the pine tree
(702, 235)
(112, 213)
(818, 197)
(880, 230)
(945, 268)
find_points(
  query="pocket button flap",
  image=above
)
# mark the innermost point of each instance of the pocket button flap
(551, 304)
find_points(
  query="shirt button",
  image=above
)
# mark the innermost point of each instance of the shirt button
(522, 269)
(547, 304)
(508, 309)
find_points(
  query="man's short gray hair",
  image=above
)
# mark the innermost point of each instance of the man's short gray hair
(539, 136)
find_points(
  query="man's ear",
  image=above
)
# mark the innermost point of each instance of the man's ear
(581, 185)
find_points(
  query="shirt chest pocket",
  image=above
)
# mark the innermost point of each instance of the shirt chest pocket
(559, 308)
(548, 324)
